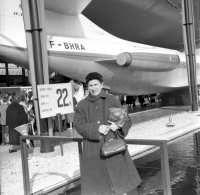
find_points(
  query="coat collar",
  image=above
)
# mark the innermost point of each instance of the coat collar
(16, 104)
(102, 94)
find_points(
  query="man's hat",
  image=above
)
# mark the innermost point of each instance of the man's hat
(78, 82)
(93, 76)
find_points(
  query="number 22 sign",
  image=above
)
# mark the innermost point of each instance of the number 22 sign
(62, 91)
(54, 99)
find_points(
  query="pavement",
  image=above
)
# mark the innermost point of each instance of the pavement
(148, 124)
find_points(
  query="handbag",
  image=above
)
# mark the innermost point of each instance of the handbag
(117, 145)
(113, 146)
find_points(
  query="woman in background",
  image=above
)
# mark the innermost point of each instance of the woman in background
(15, 116)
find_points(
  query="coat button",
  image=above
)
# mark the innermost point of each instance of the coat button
(97, 107)
(98, 122)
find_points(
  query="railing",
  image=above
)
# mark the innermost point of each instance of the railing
(161, 143)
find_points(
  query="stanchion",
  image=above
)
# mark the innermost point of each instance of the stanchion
(60, 129)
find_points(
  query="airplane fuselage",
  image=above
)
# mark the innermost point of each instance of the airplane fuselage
(76, 47)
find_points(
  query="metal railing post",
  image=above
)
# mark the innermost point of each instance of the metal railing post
(165, 168)
(25, 166)
(80, 153)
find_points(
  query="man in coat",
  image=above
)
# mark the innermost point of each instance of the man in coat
(115, 175)
(3, 108)
(15, 116)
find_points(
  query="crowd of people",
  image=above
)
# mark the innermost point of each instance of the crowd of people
(142, 100)
(16, 109)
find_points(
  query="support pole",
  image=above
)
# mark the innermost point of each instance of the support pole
(189, 44)
(80, 152)
(7, 75)
(59, 117)
(23, 77)
(165, 168)
(33, 10)
(25, 170)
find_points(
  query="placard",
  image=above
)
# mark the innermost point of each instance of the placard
(55, 99)
(25, 89)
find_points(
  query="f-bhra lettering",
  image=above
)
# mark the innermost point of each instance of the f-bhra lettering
(73, 46)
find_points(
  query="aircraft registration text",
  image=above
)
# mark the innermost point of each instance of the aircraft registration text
(67, 45)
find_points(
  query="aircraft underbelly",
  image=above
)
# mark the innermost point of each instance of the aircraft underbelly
(121, 80)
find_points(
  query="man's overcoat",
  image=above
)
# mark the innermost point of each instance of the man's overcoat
(100, 175)
(15, 116)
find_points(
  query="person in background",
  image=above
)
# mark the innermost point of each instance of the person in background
(122, 100)
(1, 95)
(3, 108)
(78, 93)
(86, 93)
(141, 100)
(30, 96)
(15, 117)
(9, 99)
(4, 94)
(23, 102)
(117, 97)
(130, 100)
(31, 116)
(115, 175)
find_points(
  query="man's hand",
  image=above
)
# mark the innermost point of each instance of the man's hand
(113, 126)
(103, 129)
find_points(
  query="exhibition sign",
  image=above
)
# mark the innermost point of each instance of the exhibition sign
(25, 89)
(55, 99)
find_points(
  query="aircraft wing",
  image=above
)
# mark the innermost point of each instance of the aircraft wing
(66, 7)
(151, 22)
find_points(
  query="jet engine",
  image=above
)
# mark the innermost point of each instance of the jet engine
(149, 60)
